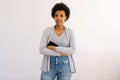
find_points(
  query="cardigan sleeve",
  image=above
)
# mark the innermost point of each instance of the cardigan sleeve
(43, 43)
(71, 49)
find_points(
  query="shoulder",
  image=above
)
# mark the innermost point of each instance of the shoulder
(48, 30)
(69, 30)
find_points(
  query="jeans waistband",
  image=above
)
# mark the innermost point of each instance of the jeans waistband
(60, 58)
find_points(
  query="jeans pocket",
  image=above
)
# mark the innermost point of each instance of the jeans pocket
(65, 64)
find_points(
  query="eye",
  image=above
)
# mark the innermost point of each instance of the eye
(61, 15)
(56, 15)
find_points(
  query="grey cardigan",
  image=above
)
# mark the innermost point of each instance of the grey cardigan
(46, 37)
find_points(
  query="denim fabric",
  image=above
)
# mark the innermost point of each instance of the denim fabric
(59, 68)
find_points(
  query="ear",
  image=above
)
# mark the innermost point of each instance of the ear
(65, 18)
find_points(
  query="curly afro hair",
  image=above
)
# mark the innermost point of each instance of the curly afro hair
(60, 6)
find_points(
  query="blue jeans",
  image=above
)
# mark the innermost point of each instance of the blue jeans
(59, 68)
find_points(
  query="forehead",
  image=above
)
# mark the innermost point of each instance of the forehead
(60, 12)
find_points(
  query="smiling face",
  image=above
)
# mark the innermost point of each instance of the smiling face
(60, 17)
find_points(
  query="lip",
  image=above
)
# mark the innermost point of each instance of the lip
(58, 21)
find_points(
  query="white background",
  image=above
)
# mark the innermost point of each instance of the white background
(96, 24)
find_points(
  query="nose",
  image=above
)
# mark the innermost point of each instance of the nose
(58, 17)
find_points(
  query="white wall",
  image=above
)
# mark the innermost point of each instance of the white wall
(96, 24)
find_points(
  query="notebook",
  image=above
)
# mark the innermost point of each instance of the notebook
(51, 44)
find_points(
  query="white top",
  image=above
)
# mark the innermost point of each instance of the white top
(66, 42)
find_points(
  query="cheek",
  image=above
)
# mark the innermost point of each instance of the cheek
(55, 19)
(64, 19)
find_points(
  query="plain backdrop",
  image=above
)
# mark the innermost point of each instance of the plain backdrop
(96, 24)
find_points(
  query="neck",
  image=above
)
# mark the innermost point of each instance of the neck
(59, 27)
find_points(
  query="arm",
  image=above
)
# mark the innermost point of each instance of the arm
(54, 48)
(43, 44)
(68, 50)
(65, 51)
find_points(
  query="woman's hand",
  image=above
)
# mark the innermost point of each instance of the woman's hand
(63, 54)
(51, 47)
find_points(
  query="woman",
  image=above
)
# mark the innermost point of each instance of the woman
(58, 45)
